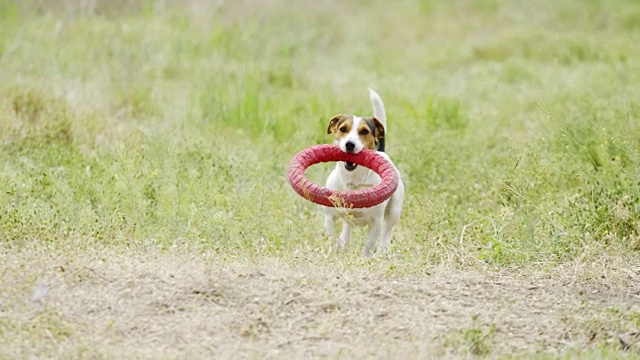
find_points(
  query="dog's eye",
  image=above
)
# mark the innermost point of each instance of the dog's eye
(343, 129)
(364, 132)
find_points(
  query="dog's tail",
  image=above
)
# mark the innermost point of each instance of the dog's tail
(378, 107)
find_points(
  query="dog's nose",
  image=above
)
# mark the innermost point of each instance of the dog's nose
(350, 146)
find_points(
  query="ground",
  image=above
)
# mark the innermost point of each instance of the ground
(182, 304)
(145, 210)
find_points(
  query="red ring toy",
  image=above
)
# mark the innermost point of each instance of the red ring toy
(351, 199)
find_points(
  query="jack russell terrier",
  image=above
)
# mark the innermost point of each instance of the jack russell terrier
(354, 133)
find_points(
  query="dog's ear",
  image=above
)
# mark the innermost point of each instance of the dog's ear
(379, 129)
(333, 123)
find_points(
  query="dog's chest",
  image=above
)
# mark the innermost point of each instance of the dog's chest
(360, 178)
(358, 217)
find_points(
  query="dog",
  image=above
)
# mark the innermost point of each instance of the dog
(352, 134)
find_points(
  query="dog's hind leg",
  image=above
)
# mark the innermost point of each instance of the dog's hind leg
(391, 217)
(387, 233)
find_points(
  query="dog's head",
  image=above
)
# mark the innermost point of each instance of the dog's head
(355, 133)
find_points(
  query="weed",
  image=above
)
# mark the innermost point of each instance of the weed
(475, 340)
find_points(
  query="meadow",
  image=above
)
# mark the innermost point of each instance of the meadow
(145, 210)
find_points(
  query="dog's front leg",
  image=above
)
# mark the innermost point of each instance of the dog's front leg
(375, 230)
(329, 225)
(345, 236)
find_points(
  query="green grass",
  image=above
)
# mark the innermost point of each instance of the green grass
(515, 125)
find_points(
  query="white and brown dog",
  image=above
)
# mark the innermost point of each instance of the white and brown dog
(354, 133)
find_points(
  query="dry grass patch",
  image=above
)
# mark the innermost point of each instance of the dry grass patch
(107, 303)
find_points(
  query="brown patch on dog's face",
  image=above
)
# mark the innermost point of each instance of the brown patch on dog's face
(379, 128)
(370, 131)
(367, 133)
(340, 125)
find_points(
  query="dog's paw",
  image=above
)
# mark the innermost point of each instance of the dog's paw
(367, 253)
(384, 248)
(337, 247)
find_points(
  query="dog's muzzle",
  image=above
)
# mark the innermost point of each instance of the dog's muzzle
(350, 166)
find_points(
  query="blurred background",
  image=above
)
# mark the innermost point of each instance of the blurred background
(152, 123)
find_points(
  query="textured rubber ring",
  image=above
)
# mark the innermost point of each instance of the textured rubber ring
(362, 198)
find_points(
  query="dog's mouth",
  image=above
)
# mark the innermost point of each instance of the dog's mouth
(350, 166)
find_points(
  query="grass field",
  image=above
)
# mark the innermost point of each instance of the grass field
(145, 212)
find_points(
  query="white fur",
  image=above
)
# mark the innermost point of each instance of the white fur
(378, 108)
(379, 219)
